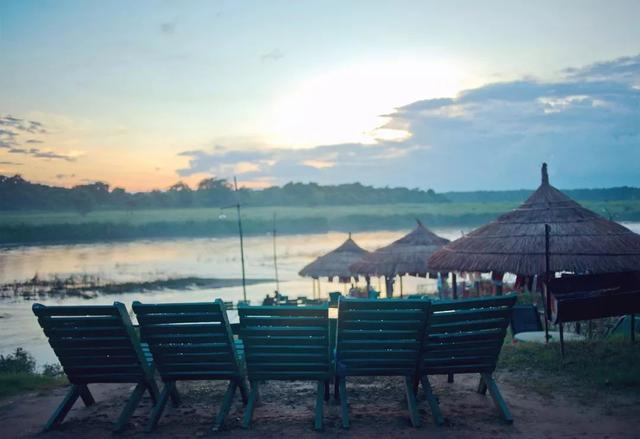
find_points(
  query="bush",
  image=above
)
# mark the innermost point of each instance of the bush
(52, 370)
(18, 362)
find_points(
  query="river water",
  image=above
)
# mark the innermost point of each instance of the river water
(162, 259)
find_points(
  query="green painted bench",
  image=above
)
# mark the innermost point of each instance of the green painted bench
(466, 336)
(380, 338)
(190, 341)
(286, 343)
(96, 344)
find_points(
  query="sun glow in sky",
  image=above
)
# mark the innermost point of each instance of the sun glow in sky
(142, 94)
(349, 104)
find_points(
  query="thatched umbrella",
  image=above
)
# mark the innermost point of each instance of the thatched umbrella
(336, 263)
(407, 255)
(580, 241)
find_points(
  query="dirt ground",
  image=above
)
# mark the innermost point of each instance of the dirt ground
(377, 408)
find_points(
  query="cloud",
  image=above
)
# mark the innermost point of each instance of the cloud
(15, 129)
(28, 126)
(272, 55)
(585, 124)
(64, 176)
(168, 27)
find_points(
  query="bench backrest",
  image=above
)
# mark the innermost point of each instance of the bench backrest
(380, 337)
(95, 344)
(189, 341)
(465, 336)
(286, 342)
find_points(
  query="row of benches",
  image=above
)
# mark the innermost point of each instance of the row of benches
(410, 338)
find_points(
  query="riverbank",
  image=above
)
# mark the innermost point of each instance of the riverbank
(90, 287)
(121, 225)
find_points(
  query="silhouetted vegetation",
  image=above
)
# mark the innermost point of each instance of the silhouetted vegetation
(90, 213)
(18, 374)
(19, 194)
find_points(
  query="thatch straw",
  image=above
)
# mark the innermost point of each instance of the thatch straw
(580, 241)
(336, 263)
(407, 255)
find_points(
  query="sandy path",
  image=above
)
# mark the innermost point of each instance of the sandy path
(377, 410)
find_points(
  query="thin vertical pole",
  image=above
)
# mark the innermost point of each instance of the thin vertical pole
(244, 280)
(319, 293)
(454, 285)
(632, 325)
(547, 278)
(275, 253)
(401, 288)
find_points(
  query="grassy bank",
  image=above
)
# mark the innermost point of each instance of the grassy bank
(60, 227)
(16, 383)
(18, 374)
(588, 368)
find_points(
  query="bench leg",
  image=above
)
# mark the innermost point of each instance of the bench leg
(497, 398)
(243, 390)
(64, 407)
(154, 393)
(86, 396)
(226, 405)
(344, 404)
(130, 407)
(159, 407)
(248, 410)
(327, 391)
(450, 378)
(336, 388)
(432, 400)
(482, 386)
(320, 394)
(411, 402)
(174, 394)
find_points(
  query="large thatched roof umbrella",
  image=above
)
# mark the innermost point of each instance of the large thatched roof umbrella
(580, 240)
(407, 255)
(336, 263)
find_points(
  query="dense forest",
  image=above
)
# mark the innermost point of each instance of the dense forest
(19, 194)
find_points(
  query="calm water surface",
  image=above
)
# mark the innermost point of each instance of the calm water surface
(148, 260)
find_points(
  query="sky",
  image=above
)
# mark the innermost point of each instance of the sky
(456, 95)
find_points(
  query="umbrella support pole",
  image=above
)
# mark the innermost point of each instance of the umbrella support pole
(401, 288)
(454, 286)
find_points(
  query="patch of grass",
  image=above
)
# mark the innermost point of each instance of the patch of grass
(588, 366)
(16, 383)
(18, 374)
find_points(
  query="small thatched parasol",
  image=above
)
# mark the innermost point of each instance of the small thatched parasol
(580, 240)
(407, 255)
(336, 263)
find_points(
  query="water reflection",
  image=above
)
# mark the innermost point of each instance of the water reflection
(147, 260)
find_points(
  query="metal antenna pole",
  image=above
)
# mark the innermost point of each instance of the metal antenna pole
(244, 280)
(275, 253)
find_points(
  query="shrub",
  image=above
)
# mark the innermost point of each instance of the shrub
(52, 370)
(18, 362)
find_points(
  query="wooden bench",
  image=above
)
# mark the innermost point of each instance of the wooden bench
(466, 336)
(191, 341)
(286, 343)
(96, 344)
(380, 338)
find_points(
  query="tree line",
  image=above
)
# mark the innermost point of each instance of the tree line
(16, 193)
